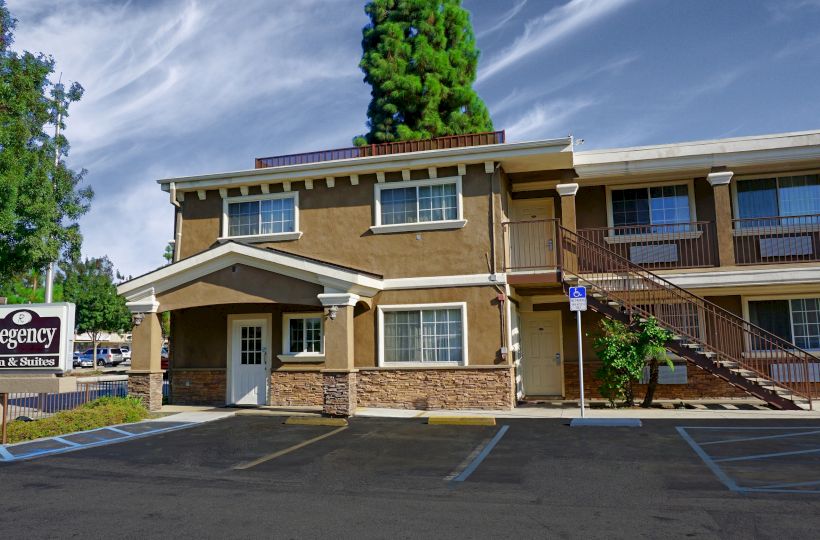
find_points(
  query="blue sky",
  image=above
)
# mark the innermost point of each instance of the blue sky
(178, 87)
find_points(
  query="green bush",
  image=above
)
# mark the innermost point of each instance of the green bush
(105, 411)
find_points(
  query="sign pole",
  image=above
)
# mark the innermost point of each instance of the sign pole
(578, 303)
(580, 361)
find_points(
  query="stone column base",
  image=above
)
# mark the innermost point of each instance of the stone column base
(339, 393)
(147, 387)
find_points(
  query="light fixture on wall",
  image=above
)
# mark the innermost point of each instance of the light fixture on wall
(331, 312)
(137, 318)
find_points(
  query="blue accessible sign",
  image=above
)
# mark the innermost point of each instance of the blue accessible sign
(577, 298)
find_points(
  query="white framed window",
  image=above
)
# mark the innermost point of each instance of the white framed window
(792, 200)
(795, 319)
(261, 218)
(303, 337)
(423, 335)
(418, 205)
(651, 208)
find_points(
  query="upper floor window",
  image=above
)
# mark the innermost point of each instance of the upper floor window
(780, 197)
(262, 217)
(651, 209)
(418, 205)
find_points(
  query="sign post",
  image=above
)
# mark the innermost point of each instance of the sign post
(578, 303)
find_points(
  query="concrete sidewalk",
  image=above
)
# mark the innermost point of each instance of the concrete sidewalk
(569, 413)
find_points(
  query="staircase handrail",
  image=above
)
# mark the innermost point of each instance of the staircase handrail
(785, 348)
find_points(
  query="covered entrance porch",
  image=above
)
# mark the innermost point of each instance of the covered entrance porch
(249, 326)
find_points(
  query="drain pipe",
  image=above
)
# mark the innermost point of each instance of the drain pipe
(177, 221)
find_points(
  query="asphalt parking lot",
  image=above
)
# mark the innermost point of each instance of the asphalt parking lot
(251, 476)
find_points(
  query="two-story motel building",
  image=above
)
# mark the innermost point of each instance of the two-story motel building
(431, 274)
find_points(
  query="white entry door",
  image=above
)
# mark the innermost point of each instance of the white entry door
(249, 362)
(541, 362)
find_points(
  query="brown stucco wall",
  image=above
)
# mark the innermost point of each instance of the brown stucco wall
(336, 225)
(199, 335)
(239, 284)
(483, 322)
(590, 207)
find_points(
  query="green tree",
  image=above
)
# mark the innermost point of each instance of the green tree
(624, 352)
(420, 58)
(40, 196)
(90, 285)
(168, 255)
(29, 289)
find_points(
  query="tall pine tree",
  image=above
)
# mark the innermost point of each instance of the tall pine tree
(40, 200)
(420, 58)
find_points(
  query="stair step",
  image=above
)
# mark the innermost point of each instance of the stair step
(613, 303)
(676, 337)
(707, 354)
(598, 295)
(691, 345)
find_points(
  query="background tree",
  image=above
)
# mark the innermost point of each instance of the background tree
(29, 289)
(40, 197)
(90, 285)
(168, 255)
(420, 58)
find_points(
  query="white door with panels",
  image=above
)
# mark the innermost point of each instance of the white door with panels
(249, 362)
(542, 372)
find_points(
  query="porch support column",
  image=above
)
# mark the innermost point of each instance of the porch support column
(568, 259)
(567, 193)
(723, 216)
(145, 376)
(339, 375)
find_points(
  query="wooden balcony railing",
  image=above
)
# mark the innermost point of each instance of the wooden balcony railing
(530, 245)
(777, 239)
(656, 247)
(383, 149)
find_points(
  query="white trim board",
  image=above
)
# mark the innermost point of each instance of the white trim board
(145, 288)
(733, 278)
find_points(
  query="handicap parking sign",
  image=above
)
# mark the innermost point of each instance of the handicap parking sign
(577, 298)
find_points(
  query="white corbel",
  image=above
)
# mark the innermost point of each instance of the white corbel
(330, 181)
(405, 174)
(354, 179)
(243, 190)
(489, 167)
(201, 194)
(380, 177)
(223, 192)
(432, 172)
(720, 178)
(286, 185)
(265, 188)
(462, 169)
(309, 184)
(181, 196)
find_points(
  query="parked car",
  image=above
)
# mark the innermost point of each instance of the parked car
(126, 353)
(81, 361)
(163, 361)
(106, 356)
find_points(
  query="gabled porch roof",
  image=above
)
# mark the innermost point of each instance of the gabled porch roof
(338, 281)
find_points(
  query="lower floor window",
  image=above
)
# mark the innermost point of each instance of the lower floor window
(303, 334)
(426, 335)
(797, 320)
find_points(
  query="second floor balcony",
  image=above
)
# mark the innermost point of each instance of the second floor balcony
(530, 246)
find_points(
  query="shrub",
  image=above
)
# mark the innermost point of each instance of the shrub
(105, 411)
(624, 351)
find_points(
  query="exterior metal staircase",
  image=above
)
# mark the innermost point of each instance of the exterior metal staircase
(708, 336)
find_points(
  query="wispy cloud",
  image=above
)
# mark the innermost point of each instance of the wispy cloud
(548, 29)
(525, 94)
(548, 119)
(504, 19)
(178, 87)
